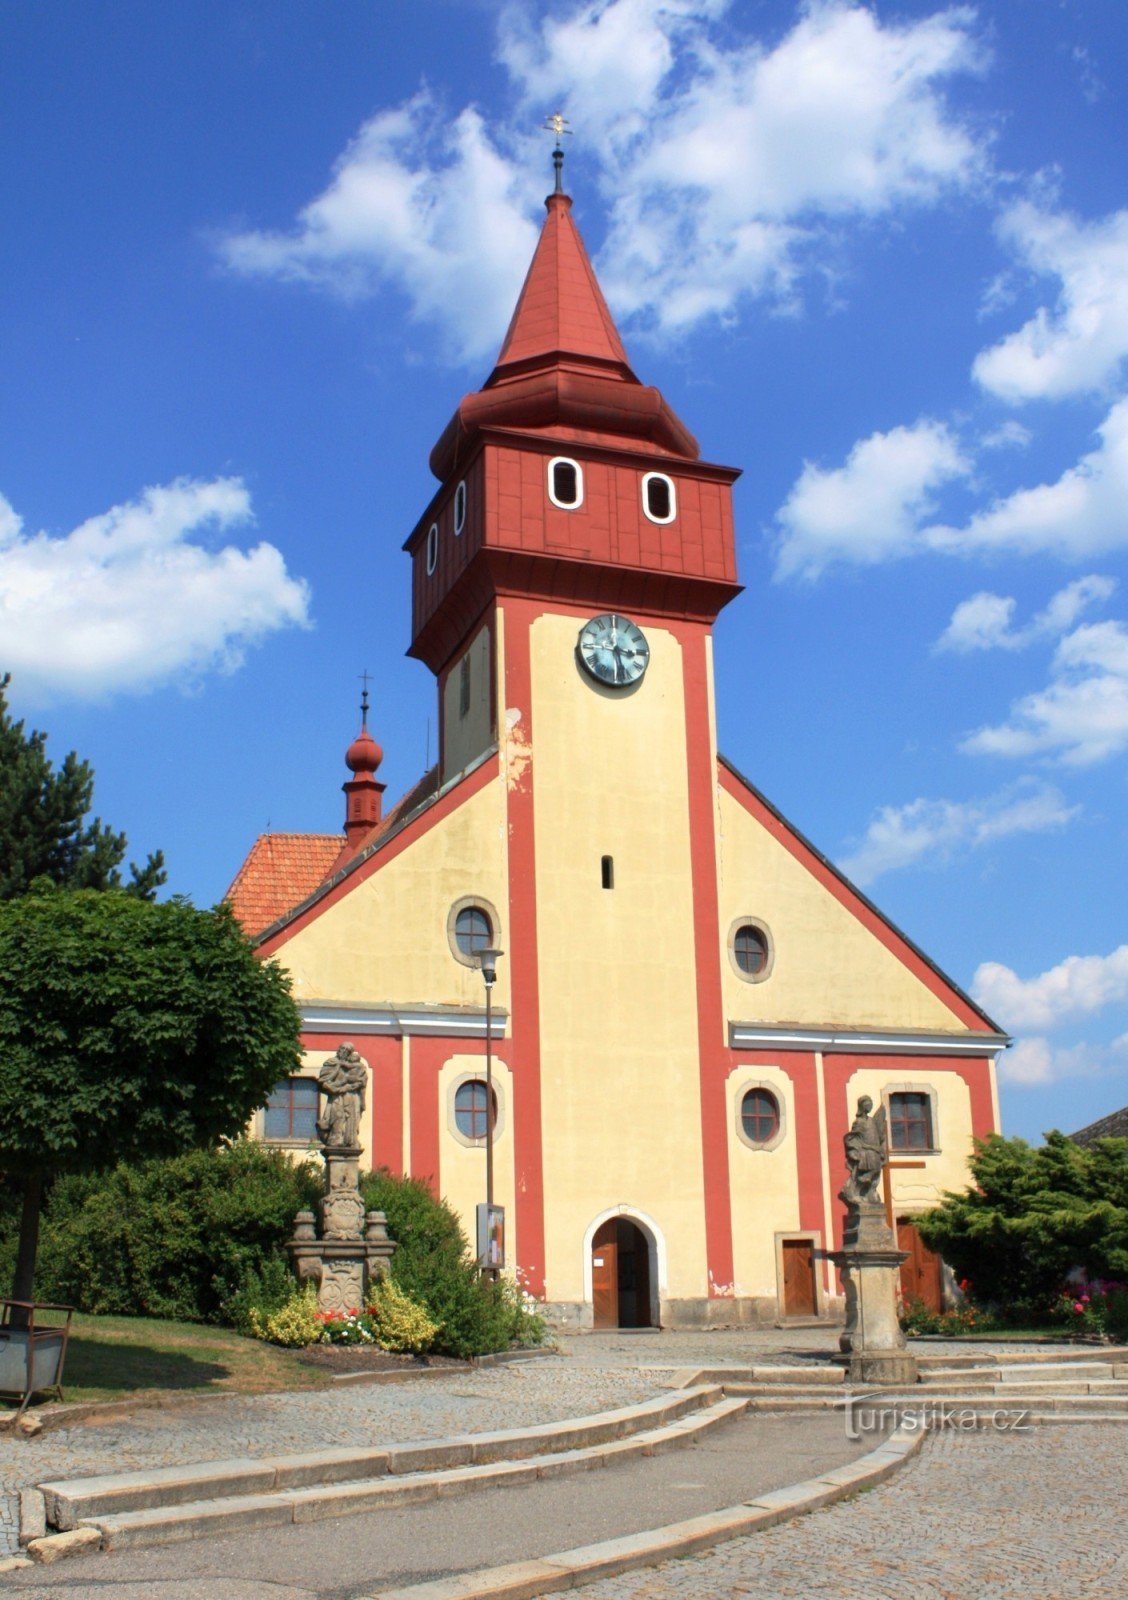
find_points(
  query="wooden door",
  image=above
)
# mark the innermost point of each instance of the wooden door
(922, 1275)
(799, 1278)
(605, 1275)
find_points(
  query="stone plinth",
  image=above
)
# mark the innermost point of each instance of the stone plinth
(870, 1263)
(354, 1249)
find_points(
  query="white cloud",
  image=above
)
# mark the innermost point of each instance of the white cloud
(984, 622)
(133, 598)
(724, 163)
(1077, 986)
(868, 510)
(1080, 515)
(899, 836)
(1009, 435)
(1081, 717)
(428, 207)
(1036, 1061)
(1080, 344)
(721, 161)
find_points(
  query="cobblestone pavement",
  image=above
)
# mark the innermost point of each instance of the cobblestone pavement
(976, 1516)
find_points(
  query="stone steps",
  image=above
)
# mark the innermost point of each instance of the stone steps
(132, 1510)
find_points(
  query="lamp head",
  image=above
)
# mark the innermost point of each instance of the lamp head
(487, 960)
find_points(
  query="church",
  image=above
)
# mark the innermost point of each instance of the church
(689, 997)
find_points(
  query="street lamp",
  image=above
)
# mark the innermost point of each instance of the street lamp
(487, 960)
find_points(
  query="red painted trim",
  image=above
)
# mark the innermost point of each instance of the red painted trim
(388, 851)
(713, 1055)
(524, 979)
(427, 1057)
(868, 916)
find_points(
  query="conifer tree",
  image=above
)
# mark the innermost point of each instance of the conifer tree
(43, 826)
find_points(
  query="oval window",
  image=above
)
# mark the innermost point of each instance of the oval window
(750, 950)
(565, 483)
(472, 931)
(759, 1116)
(470, 1109)
(658, 498)
(432, 547)
(460, 508)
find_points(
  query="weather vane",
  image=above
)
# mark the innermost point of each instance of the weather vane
(557, 123)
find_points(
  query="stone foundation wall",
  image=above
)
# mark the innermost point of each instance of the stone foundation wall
(570, 1316)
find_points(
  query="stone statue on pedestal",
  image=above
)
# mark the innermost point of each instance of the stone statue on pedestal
(869, 1260)
(354, 1246)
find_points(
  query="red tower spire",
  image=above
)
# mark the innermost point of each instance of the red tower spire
(363, 790)
(562, 364)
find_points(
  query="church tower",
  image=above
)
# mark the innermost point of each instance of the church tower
(691, 997)
(566, 577)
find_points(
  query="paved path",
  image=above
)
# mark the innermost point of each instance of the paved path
(983, 1516)
(411, 1544)
(1032, 1516)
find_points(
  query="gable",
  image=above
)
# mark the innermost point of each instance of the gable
(379, 934)
(836, 960)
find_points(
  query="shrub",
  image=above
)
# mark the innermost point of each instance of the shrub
(296, 1323)
(918, 1319)
(180, 1238)
(433, 1265)
(1099, 1308)
(1032, 1215)
(398, 1322)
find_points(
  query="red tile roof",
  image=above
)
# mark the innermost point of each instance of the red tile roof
(283, 869)
(279, 872)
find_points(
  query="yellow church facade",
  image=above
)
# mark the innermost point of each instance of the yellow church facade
(690, 998)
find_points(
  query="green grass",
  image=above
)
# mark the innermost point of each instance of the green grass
(109, 1358)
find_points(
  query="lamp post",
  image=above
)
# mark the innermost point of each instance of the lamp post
(487, 960)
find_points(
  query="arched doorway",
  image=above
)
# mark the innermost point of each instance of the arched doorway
(620, 1276)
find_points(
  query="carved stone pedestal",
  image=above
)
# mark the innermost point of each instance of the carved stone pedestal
(354, 1249)
(870, 1263)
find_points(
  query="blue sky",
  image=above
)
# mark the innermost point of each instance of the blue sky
(252, 255)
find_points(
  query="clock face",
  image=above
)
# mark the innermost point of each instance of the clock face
(613, 650)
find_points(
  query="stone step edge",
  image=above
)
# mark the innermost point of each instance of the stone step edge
(571, 1568)
(70, 1502)
(132, 1530)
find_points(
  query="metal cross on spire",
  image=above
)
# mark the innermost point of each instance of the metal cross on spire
(557, 123)
(365, 679)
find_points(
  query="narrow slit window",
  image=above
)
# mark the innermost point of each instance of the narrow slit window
(459, 508)
(432, 547)
(607, 872)
(658, 498)
(565, 483)
(464, 687)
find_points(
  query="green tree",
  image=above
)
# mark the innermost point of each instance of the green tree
(128, 1029)
(1031, 1216)
(43, 826)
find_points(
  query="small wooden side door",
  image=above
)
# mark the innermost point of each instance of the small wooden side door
(605, 1275)
(922, 1275)
(798, 1278)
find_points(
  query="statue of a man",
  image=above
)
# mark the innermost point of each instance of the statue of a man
(343, 1080)
(865, 1154)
